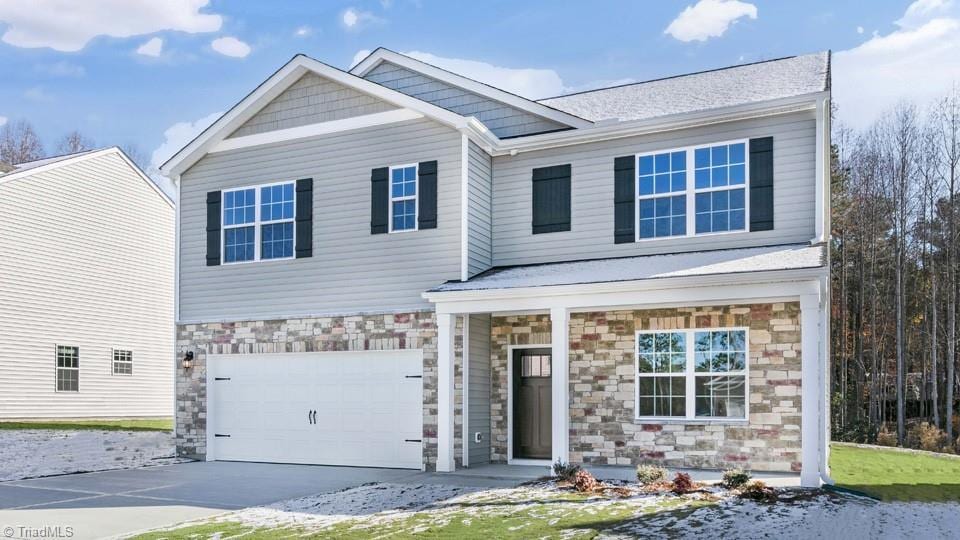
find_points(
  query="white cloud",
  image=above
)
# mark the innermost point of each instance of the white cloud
(61, 69)
(153, 47)
(38, 95)
(709, 18)
(177, 136)
(354, 19)
(303, 31)
(859, 29)
(69, 26)
(3, 120)
(230, 46)
(917, 61)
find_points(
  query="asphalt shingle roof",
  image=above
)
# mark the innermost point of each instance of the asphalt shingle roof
(737, 85)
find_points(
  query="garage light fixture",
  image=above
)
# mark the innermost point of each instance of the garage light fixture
(187, 361)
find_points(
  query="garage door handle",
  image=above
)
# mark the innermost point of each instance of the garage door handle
(413, 440)
(414, 376)
(314, 417)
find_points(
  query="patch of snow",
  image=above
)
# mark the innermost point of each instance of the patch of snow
(750, 83)
(727, 261)
(31, 453)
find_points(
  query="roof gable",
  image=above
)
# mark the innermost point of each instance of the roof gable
(373, 65)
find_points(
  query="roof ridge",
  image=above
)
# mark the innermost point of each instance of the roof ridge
(701, 72)
(60, 156)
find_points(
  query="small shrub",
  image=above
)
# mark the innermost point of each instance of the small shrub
(650, 474)
(758, 491)
(565, 471)
(682, 483)
(584, 482)
(886, 438)
(734, 478)
(926, 436)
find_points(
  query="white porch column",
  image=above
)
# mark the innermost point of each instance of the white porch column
(810, 390)
(560, 375)
(446, 326)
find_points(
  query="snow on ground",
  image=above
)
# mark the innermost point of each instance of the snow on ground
(29, 453)
(799, 514)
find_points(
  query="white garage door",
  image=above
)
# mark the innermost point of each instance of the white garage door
(330, 408)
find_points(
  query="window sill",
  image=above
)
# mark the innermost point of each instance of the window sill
(692, 421)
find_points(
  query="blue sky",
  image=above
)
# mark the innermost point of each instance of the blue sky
(79, 67)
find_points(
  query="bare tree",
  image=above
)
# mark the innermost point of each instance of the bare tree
(74, 142)
(19, 143)
(928, 167)
(949, 128)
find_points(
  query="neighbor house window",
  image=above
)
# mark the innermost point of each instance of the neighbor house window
(68, 369)
(122, 362)
(693, 190)
(692, 374)
(258, 223)
(403, 198)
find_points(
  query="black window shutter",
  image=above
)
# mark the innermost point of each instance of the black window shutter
(551, 199)
(427, 198)
(761, 184)
(624, 205)
(213, 228)
(304, 226)
(379, 199)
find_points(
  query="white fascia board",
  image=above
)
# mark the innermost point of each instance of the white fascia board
(673, 122)
(277, 83)
(319, 128)
(84, 157)
(380, 55)
(783, 284)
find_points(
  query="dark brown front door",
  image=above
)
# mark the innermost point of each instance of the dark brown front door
(532, 403)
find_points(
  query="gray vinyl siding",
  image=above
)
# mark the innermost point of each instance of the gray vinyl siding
(480, 210)
(500, 118)
(479, 389)
(591, 234)
(310, 100)
(351, 271)
(86, 260)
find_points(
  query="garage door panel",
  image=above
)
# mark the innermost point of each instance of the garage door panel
(366, 406)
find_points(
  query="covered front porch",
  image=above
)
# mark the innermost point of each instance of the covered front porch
(548, 369)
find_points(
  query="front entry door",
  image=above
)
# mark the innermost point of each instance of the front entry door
(532, 422)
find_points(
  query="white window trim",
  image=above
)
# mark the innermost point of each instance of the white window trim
(114, 361)
(690, 191)
(256, 224)
(57, 368)
(415, 198)
(690, 374)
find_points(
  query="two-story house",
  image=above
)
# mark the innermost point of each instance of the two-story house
(399, 266)
(86, 289)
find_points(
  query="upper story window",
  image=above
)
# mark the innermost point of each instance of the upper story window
(694, 190)
(258, 223)
(122, 362)
(692, 374)
(403, 198)
(68, 369)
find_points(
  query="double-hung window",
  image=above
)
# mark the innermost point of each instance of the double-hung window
(403, 198)
(258, 223)
(122, 362)
(692, 374)
(692, 191)
(68, 369)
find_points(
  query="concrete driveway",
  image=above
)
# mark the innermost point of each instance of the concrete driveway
(112, 503)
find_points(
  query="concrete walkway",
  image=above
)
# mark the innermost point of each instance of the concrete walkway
(112, 503)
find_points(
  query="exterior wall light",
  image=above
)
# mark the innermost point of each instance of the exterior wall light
(187, 361)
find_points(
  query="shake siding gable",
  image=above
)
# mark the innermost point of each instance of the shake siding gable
(351, 270)
(593, 194)
(86, 260)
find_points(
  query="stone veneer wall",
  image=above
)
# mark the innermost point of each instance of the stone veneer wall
(415, 330)
(504, 332)
(602, 426)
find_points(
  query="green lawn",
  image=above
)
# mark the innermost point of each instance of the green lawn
(893, 475)
(126, 424)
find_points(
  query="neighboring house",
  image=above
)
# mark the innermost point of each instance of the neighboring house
(399, 266)
(86, 289)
